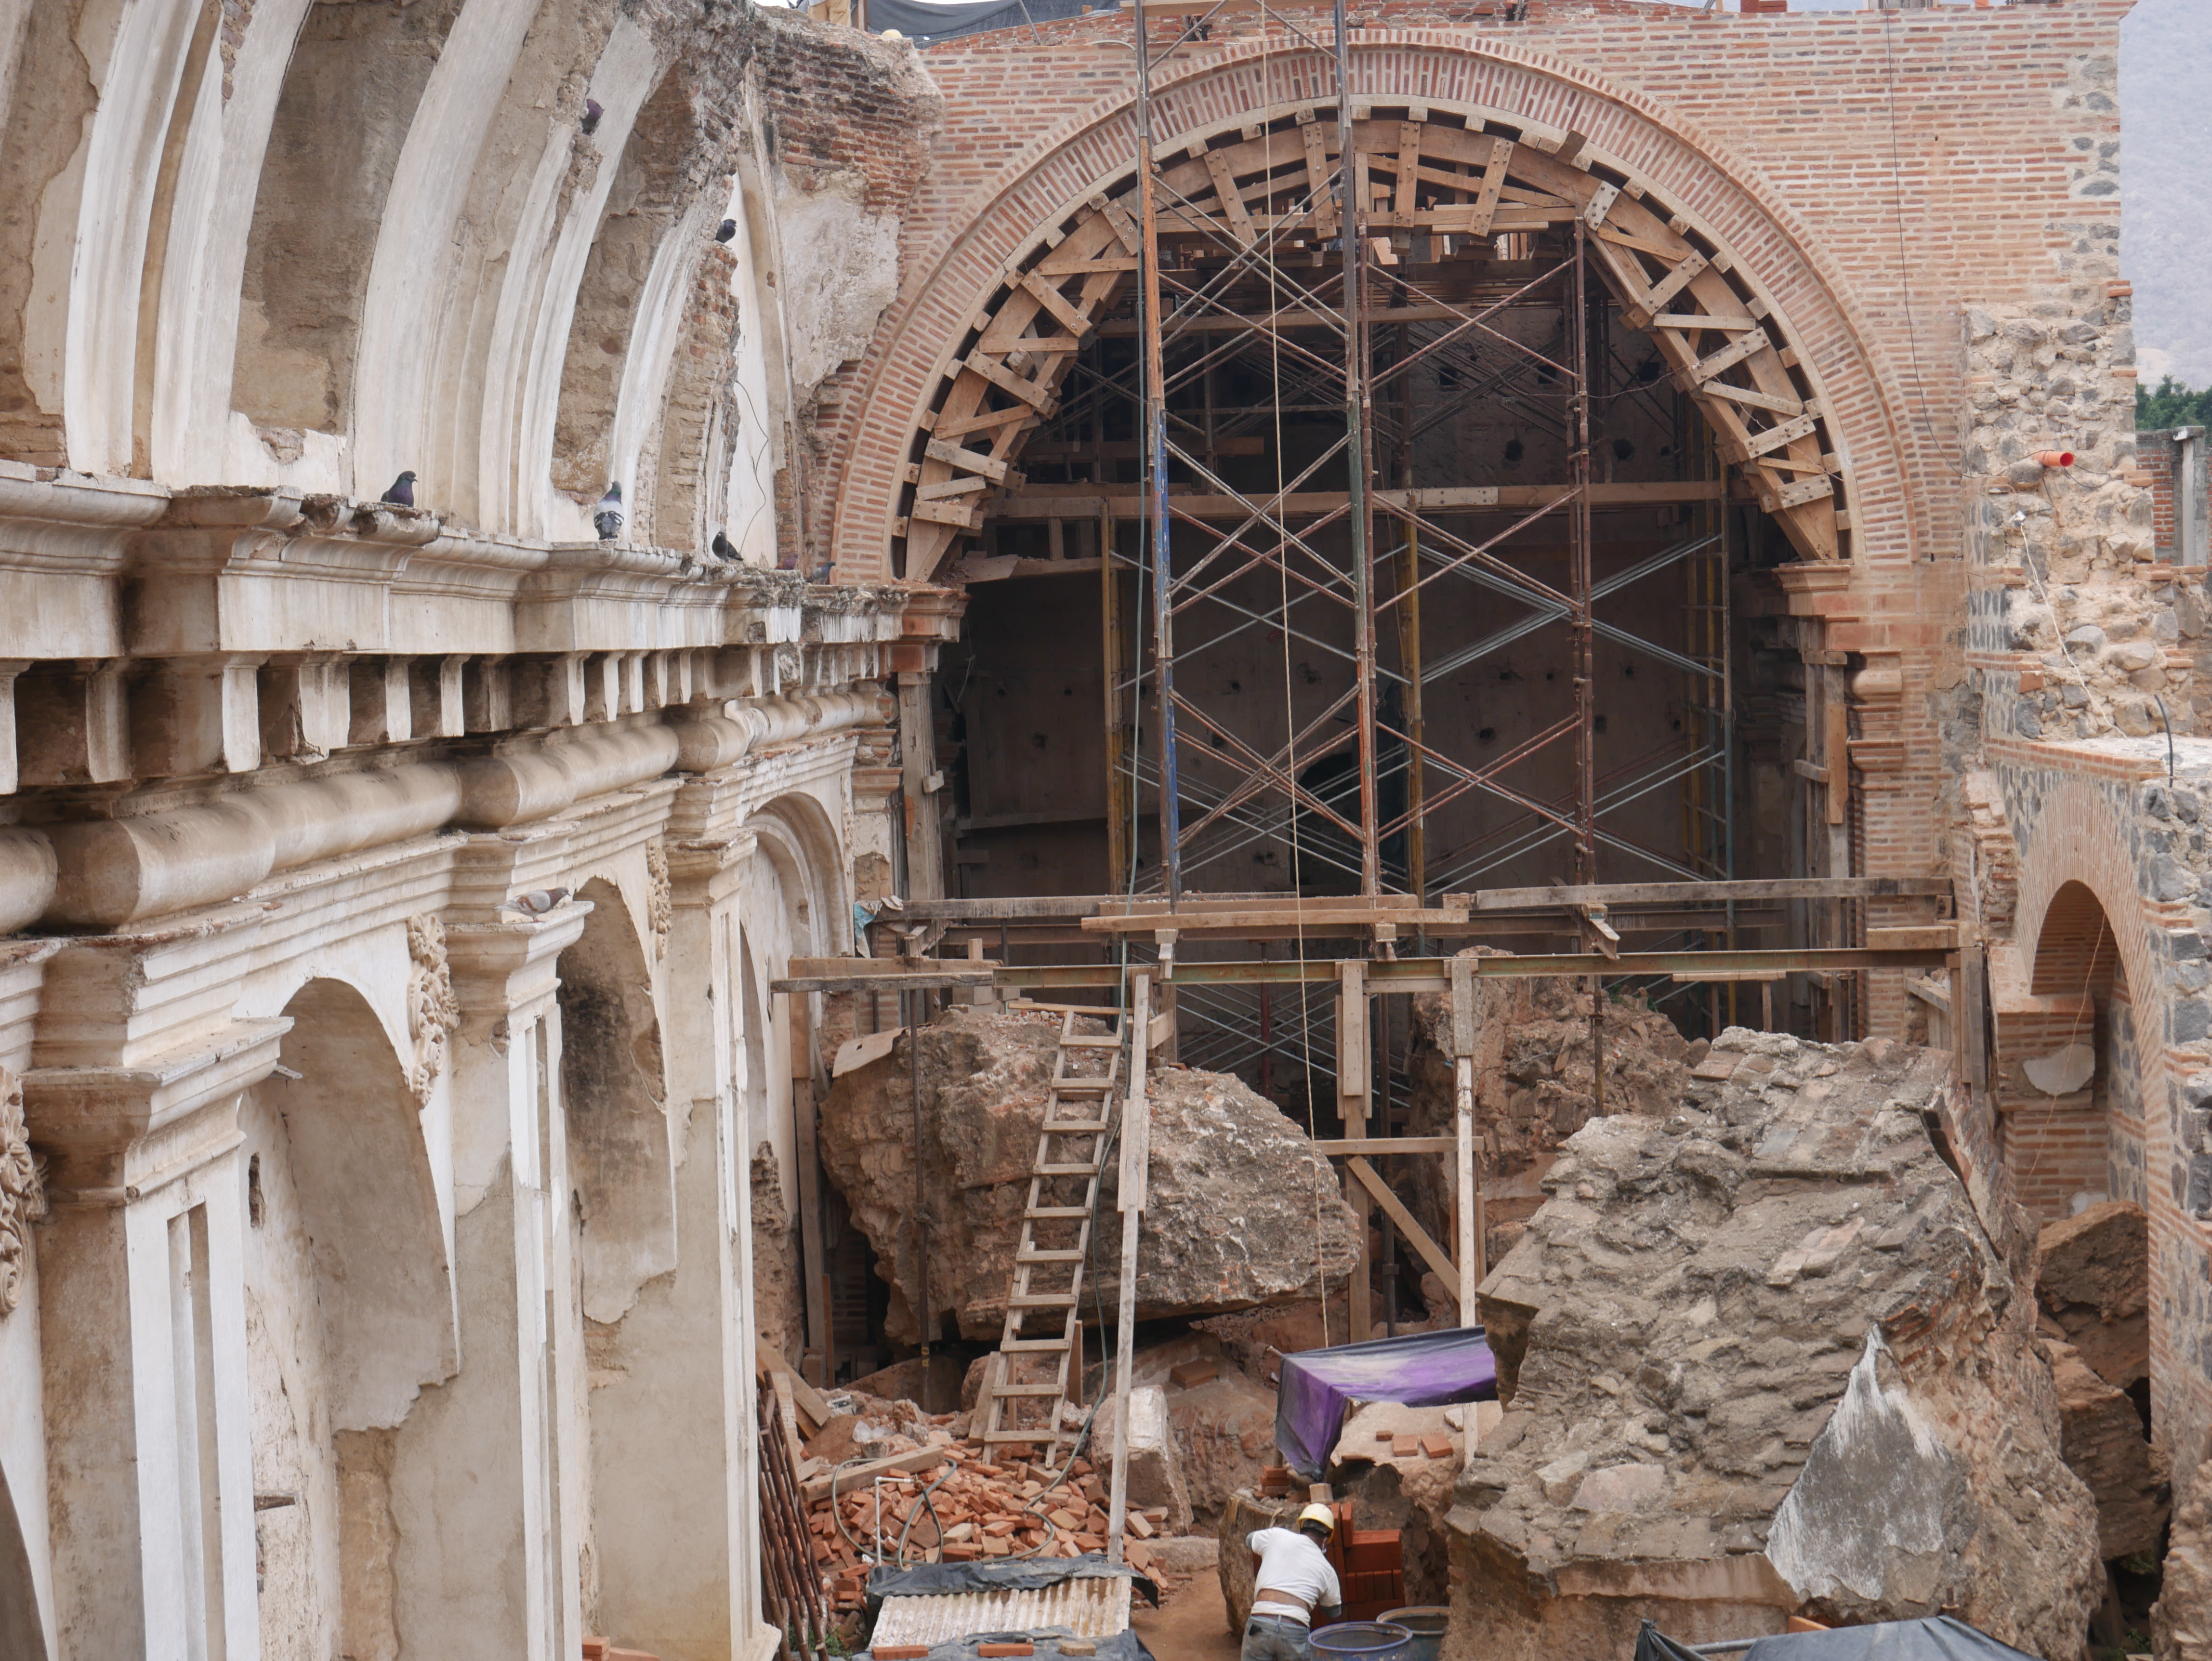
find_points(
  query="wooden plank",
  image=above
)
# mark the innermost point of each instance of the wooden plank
(926, 980)
(1352, 1039)
(1703, 894)
(1057, 303)
(856, 1053)
(975, 461)
(1837, 755)
(1283, 917)
(1939, 937)
(767, 1361)
(1338, 1147)
(1431, 1254)
(948, 426)
(1757, 400)
(1317, 177)
(1478, 216)
(886, 969)
(860, 1475)
(1467, 1218)
(1021, 386)
(1675, 282)
(1136, 1120)
(1232, 200)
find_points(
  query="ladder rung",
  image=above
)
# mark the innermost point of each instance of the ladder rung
(1065, 1170)
(1083, 1086)
(1089, 1043)
(1029, 1389)
(1045, 1300)
(1012, 1344)
(1076, 1126)
(1048, 1256)
(1047, 1212)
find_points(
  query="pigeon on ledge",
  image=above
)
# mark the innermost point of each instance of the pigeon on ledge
(727, 230)
(593, 110)
(402, 493)
(537, 902)
(722, 549)
(608, 520)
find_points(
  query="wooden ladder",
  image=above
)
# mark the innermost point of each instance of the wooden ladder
(1027, 1383)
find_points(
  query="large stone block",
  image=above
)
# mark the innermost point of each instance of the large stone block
(1236, 1192)
(1760, 1357)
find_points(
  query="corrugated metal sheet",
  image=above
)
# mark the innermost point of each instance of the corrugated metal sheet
(1089, 1608)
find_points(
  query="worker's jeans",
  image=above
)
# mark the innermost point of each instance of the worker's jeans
(1271, 1637)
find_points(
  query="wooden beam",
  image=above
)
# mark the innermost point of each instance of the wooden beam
(1431, 1253)
(1703, 894)
(1284, 918)
(1136, 1170)
(1077, 501)
(859, 1475)
(1474, 1244)
(1336, 1147)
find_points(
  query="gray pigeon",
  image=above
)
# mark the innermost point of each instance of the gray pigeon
(538, 901)
(722, 549)
(402, 493)
(727, 230)
(608, 521)
(592, 112)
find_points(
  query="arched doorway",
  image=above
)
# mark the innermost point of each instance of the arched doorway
(350, 1313)
(2073, 1085)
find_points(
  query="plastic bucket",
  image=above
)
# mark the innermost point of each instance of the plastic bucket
(1426, 1621)
(1367, 1640)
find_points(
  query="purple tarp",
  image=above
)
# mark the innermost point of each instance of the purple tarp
(1421, 1370)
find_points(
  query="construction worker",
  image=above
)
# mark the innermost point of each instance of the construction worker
(1294, 1582)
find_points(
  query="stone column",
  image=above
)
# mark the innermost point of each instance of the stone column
(487, 1472)
(143, 1327)
(672, 1418)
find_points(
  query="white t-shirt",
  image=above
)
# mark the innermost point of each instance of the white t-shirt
(1290, 1562)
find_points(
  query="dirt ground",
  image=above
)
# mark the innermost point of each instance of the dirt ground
(1193, 1625)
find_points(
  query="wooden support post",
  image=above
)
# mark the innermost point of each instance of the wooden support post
(1112, 650)
(818, 1362)
(1351, 1075)
(1473, 1253)
(1136, 1167)
(924, 852)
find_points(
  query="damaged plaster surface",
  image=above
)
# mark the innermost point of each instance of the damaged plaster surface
(1760, 1356)
(840, 270)
(1236, 1191)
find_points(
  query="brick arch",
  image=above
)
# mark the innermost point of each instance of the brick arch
(2077, 854)
(1720, 200)
(2074, 948)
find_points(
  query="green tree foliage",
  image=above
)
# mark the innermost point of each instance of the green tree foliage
(2172, 405)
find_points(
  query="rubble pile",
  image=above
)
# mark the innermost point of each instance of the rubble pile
(2093, 1287)
(979, 1509)
(1758, 1357)
(1236, 1193)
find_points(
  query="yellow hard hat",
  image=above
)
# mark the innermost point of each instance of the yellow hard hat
(1318, 1513)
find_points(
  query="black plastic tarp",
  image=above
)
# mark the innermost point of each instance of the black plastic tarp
(923, 21)
(1940, 1638)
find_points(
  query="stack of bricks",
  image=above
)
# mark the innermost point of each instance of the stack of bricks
(981, 1512)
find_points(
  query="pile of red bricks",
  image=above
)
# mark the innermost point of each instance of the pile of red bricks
(983, 1511)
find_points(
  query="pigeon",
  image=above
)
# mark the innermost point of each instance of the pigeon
(726, 230)
(720, 545)
(608, 521)
(538, 901)
(592, 112)
(402, 493)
